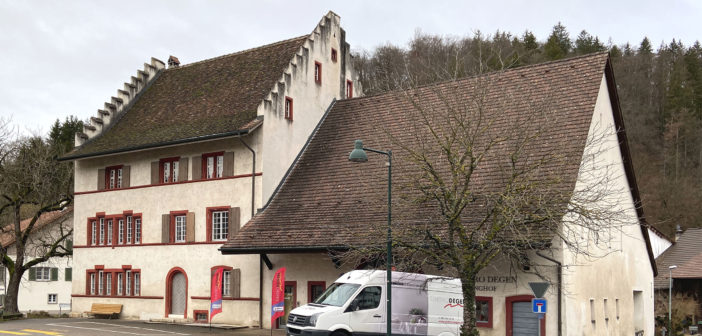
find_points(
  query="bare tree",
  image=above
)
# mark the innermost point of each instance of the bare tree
(495, 167)
(32, 183)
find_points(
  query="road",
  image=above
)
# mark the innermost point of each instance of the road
(98, 327)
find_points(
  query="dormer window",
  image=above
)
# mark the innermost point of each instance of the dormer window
(318, 72)
(333, 55)
(288, 108)
(349, 89)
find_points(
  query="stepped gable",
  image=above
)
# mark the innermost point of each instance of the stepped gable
(327, 202)
(218, 96)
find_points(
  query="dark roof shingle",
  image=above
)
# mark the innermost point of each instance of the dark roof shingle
(210, 97)
(329, 202)
(686, 254)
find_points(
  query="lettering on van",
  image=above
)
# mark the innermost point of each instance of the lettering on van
(454, 302)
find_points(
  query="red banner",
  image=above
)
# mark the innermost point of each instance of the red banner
(278, 296)
(216, 293)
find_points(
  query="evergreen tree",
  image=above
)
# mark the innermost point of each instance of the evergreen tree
(62, 135)
(558, 44)
(645, 47)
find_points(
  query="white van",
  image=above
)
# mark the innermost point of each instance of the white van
(355, 305)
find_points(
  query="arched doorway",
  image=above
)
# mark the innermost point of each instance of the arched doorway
(177, 293)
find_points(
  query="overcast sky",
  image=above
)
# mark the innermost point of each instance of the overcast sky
(60, 58)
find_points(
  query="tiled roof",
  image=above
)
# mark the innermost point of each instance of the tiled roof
(7, 237)
(210, 97)
(686, 253)
(328, 202)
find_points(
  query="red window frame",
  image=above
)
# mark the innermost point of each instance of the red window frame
(288, 108)
(318, 73)
(207, 316)
(172, 225)
(487, 324)
(309, 288)
(115, 229)
(89, 233)
(118, 182)
(172, 170)
(226, 268)
(113, 285)
(210, 210)
(334, 55)
(215, 166)
(349, 89)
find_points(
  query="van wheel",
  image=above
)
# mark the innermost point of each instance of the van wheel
(339, 333)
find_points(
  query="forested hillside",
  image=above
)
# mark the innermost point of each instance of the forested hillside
(660, 91)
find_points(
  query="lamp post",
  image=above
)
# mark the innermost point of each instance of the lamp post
(359, 155)
(670, 297)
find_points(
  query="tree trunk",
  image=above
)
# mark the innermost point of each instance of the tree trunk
(12, 291)
(468, 287)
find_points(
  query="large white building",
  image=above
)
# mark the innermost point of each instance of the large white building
(601, 279)
(180, 158)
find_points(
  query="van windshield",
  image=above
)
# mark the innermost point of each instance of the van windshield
(337, 294)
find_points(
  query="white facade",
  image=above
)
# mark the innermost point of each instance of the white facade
(162, 265)
(659, 243)
(48, 286)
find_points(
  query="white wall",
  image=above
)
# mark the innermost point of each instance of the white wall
(284, 138)
(616, 261)
(658, 243)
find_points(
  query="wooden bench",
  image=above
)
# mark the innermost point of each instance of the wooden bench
(105, 309)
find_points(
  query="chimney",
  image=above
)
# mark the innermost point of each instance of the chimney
(173, 62)
(678, 232)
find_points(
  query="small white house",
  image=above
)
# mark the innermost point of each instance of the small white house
(46, 286)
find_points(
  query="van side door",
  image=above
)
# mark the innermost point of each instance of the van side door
(367, 311)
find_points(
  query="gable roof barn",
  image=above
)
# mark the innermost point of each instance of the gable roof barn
(198, 101)
(686, 254)
(321, 205)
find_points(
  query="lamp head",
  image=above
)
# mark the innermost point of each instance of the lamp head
(358, 154)
(672, 267)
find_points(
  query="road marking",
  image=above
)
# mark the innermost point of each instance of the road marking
(42, 332)
(160, 332)
(12, 332)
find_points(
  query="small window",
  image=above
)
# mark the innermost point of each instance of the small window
(102, 231)
(137, 230)
(606, 313)
(120, 231)
(128, 286)
(333, 55)
(349, 89)
(137, 283)
(368, 298)
(109, 232)
(120, 284)
(201, 316)
(169, 168)
(52, 299)
(41, 274)
(318, 72)
(616, 307)
(226, 283)
(483, 311)
(129, 229)
(92, 283)
(213, 165)
(288, 108)
(108, 284)
(113, 177)
(101, 284)
(220, 225)
(93, 232)
(592, 310)
(180, 228)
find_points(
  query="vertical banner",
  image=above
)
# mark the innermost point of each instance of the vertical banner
(216, 293)
(278, 296)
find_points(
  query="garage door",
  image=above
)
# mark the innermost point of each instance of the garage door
(524, 322)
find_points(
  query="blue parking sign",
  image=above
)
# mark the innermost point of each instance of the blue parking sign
(538, 305)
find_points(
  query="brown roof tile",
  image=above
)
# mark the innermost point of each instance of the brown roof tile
(327, 201)
(7, 237)
(686, 253)
(210, 97)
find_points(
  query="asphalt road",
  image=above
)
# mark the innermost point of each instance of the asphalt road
(99, 327)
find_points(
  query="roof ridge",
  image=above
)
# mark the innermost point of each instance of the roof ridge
(462, 79)
(238, 52)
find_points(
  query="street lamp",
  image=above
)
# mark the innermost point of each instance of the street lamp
(359, 155)
(670, 297)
